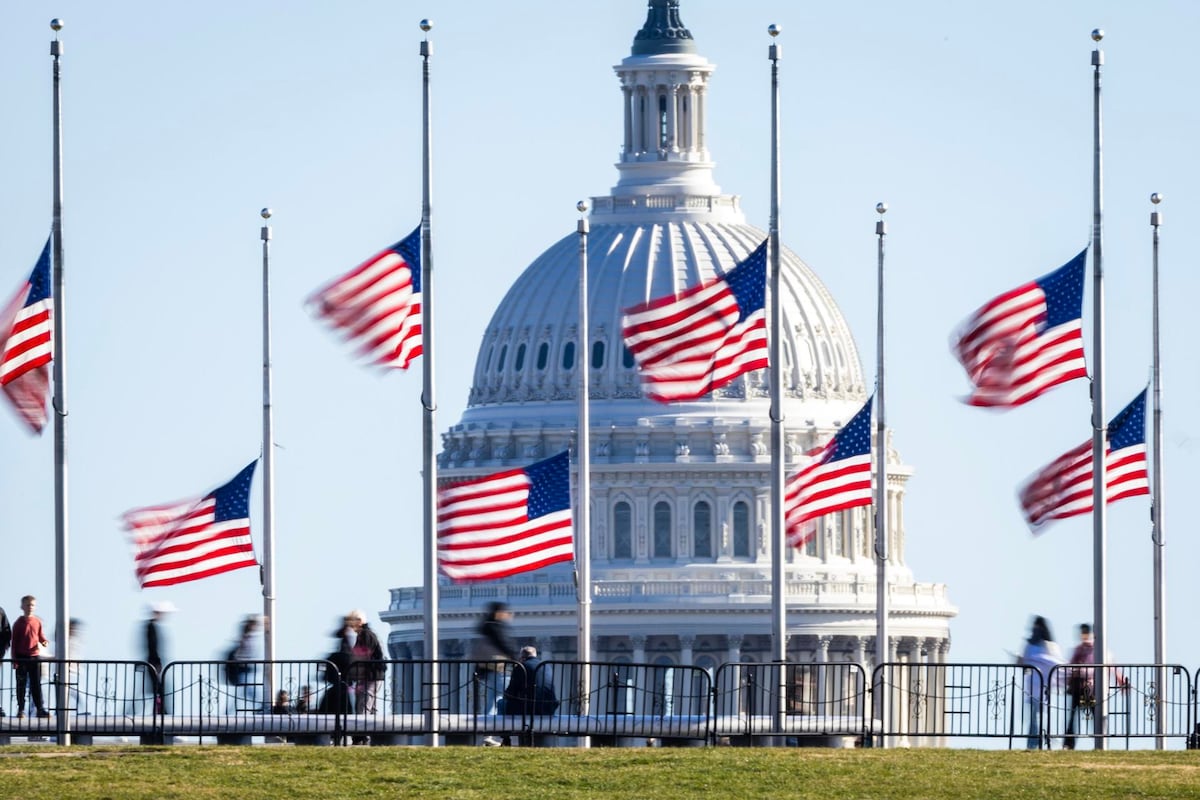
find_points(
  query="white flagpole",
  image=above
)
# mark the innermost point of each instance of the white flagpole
(1157, 539)
(583, 455)
(1099, 421)
(882, 639)
(428, 405)
(268, 461)
(775, 356)
(61, 539)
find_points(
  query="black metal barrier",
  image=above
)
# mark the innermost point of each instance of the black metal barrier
(611, 703)
(821, 702)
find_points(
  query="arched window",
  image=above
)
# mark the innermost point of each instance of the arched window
(627, 358)
(622, 531)
(568, 361)
(702, 538)
(662, 530)
(503, 355)
(519, 363)
(597, 355)
(741, 530)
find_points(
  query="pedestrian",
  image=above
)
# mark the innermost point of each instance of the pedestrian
(27, 643)
(1042, 654)
(154, 651)
(367, 666)
(240, 668)
(5, 640)
(1080, 682)
(489, 650)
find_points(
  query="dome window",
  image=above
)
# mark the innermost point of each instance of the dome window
(662, 530)
(568, 361)
(702, 539)
(503, 355)
(627, 358)
(741, 530)
(622, 531)
(597, 355)
(543, 356)
(519, 363)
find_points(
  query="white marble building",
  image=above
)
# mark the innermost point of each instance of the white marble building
(680, 503)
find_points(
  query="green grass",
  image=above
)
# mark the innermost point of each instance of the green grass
(726, 773)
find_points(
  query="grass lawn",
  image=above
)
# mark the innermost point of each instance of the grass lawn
(276, 773)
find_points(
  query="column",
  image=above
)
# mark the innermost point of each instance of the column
(693, 97)
(672, 143)
(822, 659)
(629, 100)
(638, 642)
(701, 122)
(733, 654)
(686, 643)
(638, 121)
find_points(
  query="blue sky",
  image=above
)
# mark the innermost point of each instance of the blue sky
(972, 121)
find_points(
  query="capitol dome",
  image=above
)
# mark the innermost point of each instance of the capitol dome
(680, 492)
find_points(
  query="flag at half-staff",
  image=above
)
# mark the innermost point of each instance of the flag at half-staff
(377, 305)
(514, 521)
(26, 345)
(194, 538)
(1027, 340)
(837, 478)
(688, 345)
(1064, 487)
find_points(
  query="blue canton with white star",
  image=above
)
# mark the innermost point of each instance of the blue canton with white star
(233, 499)
(1064, 291)
(1129, 427)
(39, 280)
(748, 282)
(855, 438)
(409, 249)
(549, 485)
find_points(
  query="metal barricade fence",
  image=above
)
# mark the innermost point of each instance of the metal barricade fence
(1146, 704)
(820, 701)
(102, 698)
(929, 704)
(626, 703)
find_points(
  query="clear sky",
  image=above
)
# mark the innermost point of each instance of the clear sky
(973, 121)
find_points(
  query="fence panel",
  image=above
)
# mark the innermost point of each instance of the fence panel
(647, 702)
(1146, 704)
(790, 700)
(932, 703)
(103, 698)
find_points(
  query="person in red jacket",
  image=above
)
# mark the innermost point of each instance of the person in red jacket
(27, 643)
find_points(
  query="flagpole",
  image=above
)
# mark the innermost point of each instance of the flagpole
(583, 454)
(61, 548)
(428, 405)
(1160, 622)
(1099, 422)
(881, 500)
(775, 356)
(268, 460)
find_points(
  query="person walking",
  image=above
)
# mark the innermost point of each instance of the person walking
(27, 643)
(1043, 655)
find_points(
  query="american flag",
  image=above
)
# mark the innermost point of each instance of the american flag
(195, 538)
(26, 345)
(377, 305)
(1026, 341)
(838, 478)
(513, 521)
(1064, 488)
(690, 345)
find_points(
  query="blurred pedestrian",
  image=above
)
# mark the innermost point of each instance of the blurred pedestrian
(1043, 655)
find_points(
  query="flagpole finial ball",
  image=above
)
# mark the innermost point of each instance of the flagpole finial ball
(581, 206)
(774, 30)
(1156, 198)
(426, 25)
(56, 24)
(881, 208)
(265, 213)
(1097, 35)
